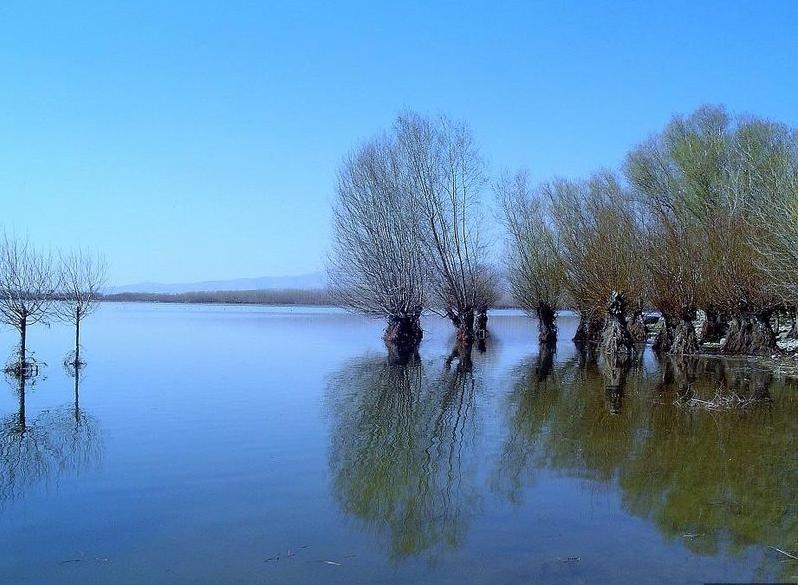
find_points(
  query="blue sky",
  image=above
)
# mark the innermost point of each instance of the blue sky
(200, 140)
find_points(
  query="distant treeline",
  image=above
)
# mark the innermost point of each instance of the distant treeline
(317, 297)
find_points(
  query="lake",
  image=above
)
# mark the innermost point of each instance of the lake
(232, 444)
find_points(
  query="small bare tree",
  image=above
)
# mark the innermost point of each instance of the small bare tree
(27, 286)
(447, 175)
(533, 258)
(377, 266)
(83, 275)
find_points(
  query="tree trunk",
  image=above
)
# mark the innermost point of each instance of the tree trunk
(664, 338)
(637, 327)
(616, 339)
(684, 340)
(750, 334)
(23, 336)
(481, 324)
(77, 341)
(547, 327)
(588, 331)
(465, 329)
(402, 337)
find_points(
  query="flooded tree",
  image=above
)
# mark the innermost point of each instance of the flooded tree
(28, 284)
(377, 266)
(83, 274)
(447, 176)
(678, 177)
(533, 259)
(599, 231)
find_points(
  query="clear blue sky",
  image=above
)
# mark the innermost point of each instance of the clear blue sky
(200, 140)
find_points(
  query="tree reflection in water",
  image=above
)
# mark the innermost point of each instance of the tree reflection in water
(55, 443)
(717, 481)
(402, 450)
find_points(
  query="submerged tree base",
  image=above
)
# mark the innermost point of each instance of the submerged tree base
(616, 339)
(588, 332)
(750, 335)
(637, 327)
(684, 341)
(547, 328)
(402, 337)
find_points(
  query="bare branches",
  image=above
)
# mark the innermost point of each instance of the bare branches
(446, 175)
(377, 265)
(83, 275)
(27, 286)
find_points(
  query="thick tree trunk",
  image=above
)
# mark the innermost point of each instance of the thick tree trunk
(684, 340)
(750, 334)
(547, 327)
(402, 337)
(616, 339)
(588, 332)
(465, 328)
(637, 327)
(664, 338)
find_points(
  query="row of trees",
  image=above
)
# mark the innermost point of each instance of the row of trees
(406, 230)
(702, 216)
(36, 286)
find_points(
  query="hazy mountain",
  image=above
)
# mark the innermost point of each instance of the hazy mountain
(300, 281)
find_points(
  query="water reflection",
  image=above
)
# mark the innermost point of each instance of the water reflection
(55, 443)
(402, 453)
(716, 480)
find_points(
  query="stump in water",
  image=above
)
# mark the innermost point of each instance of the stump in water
(402, 337)
(616, 339)
(637, 327)
(588, 332)
(664, 338)
(750, 334)
(547, 327)
(684, 340)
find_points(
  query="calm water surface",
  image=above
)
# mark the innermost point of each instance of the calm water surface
(265, 445)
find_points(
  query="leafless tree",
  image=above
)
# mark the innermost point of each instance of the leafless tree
(83, 275)
(27, 286)
(447, 175)
(377, 266)
(488, 293)
(533, 258)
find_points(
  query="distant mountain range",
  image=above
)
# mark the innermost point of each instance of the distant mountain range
(301, 281)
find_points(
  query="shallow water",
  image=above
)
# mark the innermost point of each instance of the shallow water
(214, 444)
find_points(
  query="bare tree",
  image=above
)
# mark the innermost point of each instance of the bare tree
(83, 275)
(533, 258)
(447, 176)
(377, 266)
(27, 285)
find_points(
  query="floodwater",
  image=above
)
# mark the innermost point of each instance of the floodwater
(216, 444)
